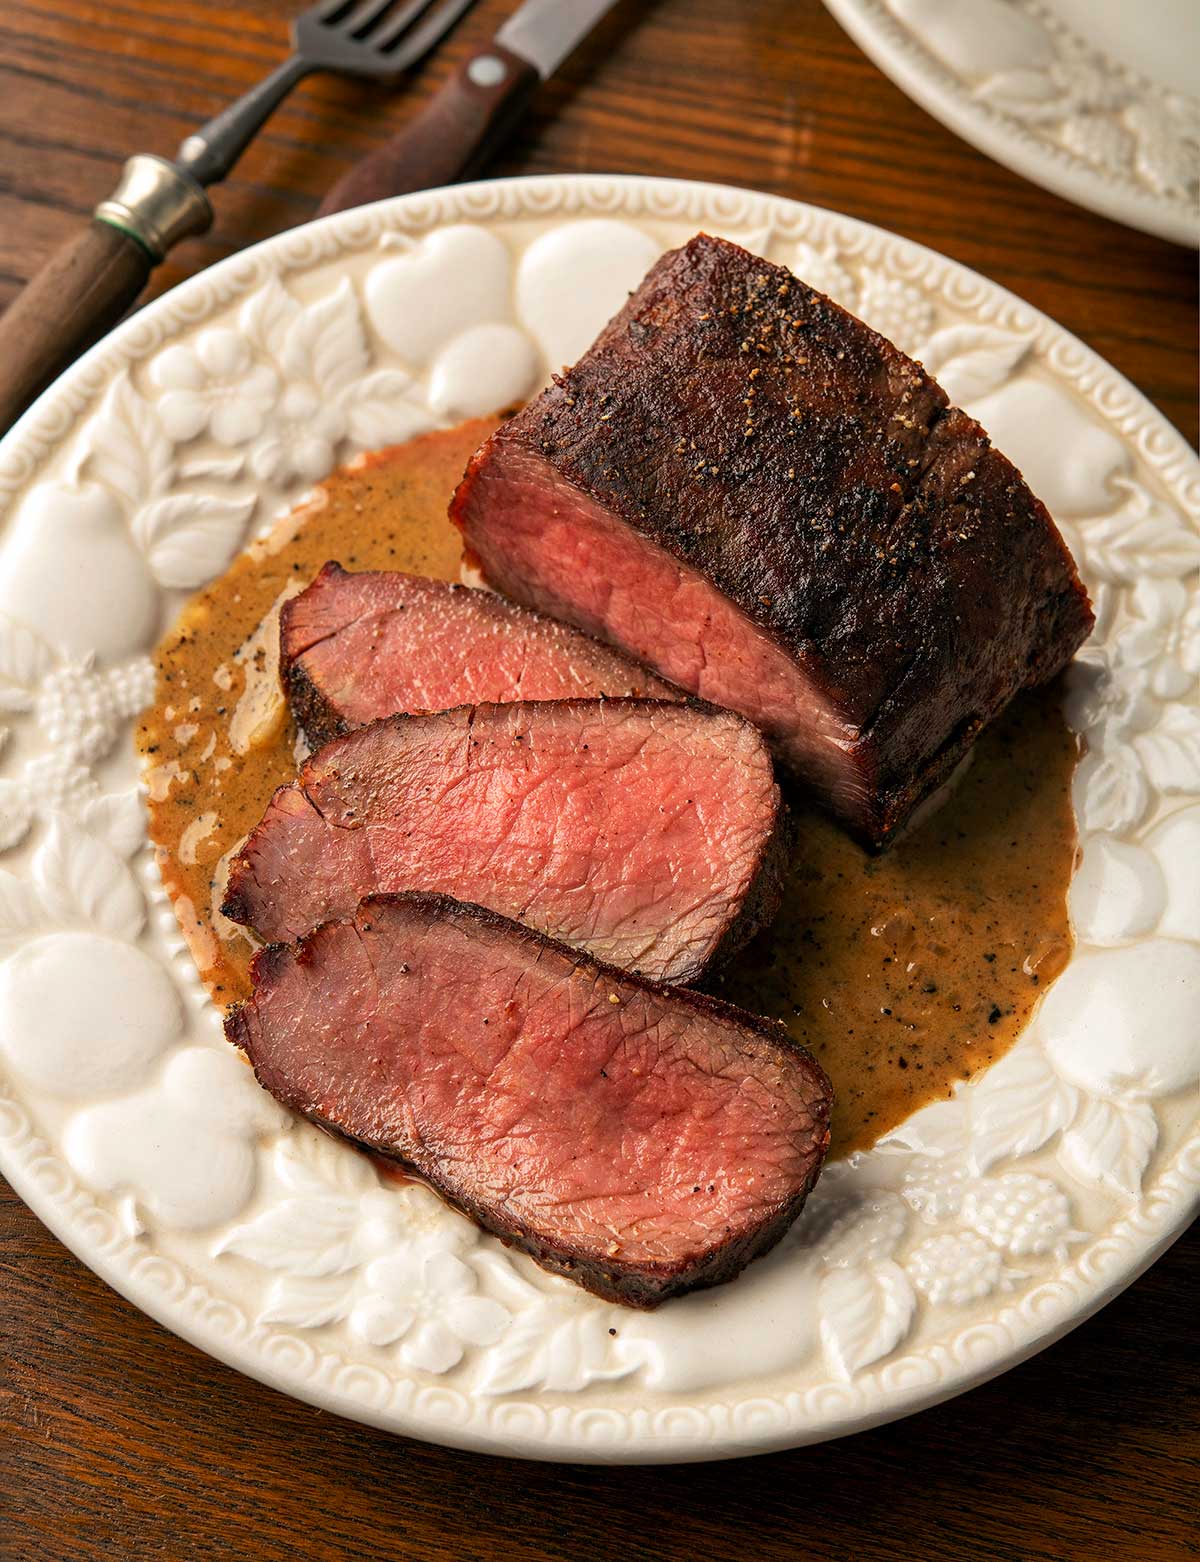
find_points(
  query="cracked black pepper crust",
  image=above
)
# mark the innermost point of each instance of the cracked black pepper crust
(760, 433)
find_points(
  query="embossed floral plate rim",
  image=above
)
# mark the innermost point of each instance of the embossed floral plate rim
(923, 1215)
(1059, 120)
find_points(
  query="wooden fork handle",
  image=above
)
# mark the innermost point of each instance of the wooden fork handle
(81, 292)
(463, 123)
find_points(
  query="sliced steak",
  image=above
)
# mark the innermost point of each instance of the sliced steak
(647, 833)
(756, 495)
(354, 647)
(641, 1141)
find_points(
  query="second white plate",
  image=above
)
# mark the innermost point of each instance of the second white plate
(1097, 100)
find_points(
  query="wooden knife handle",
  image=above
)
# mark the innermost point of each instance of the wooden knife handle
(464, 122)
(79, 293)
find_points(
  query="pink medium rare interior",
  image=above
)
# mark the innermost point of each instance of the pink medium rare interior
(635, 836)
(544, 543)
(376, 644)
(542, 1088)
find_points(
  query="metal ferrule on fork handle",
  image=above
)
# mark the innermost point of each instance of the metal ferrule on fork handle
(156, 203)
(90, 283)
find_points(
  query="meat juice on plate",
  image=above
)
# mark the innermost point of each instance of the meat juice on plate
(904, 973)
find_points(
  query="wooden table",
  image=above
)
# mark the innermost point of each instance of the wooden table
(119, 1441)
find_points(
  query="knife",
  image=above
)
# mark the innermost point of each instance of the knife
(467, 119)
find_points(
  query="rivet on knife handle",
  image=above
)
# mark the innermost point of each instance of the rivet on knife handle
(463, 122)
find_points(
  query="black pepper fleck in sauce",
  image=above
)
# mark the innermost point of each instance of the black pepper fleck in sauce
(903, 973)
(907, 972)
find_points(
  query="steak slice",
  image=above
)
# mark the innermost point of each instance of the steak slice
(759, 497)
(641, 1141)
(354, 647)
(647, 833)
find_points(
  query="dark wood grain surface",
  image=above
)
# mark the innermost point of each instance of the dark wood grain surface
(118, 1441)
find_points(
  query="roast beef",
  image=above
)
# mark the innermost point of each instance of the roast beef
(354, 647)
(641, 1141)
(647, 833)
(756, 495)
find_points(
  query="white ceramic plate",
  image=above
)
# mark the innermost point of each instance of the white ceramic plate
(1098, 100)
(977, 1233)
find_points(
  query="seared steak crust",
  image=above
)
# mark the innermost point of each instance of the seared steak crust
(887, 578)
(355, 646)
(647, 832)
(641, 1141)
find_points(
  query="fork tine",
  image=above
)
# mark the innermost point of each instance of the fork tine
(398, 17)
(414, 45)
(366, 13)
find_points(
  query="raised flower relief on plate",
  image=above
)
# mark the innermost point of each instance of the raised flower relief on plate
(327, 1213)
(402, 1270)
(214, 386)
(428, 1303)
(306, 387)
(285, 394)
(329, 394)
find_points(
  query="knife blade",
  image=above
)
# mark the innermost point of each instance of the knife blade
(466, 121)
(544, 32)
